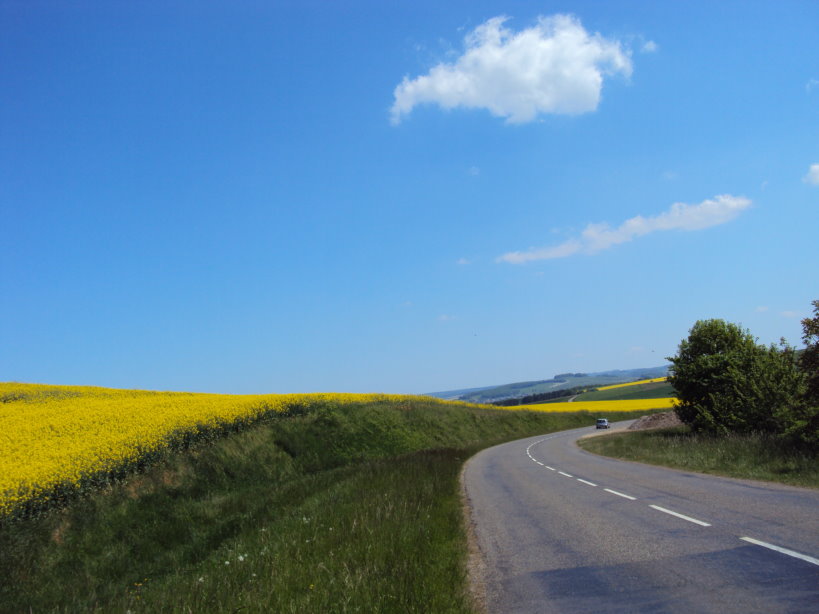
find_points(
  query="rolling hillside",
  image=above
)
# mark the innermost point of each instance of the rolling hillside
(563, 381)
(650, 390)
(306, 503)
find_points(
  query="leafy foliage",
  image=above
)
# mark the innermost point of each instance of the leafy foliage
(727, 383)
(810, 357)
(804, 419)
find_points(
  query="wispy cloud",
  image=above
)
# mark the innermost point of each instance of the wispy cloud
(555, 66)
(649, 47)
(811, 85)
(599, 237)
(813, 175)
(464, 261)
(762, 309)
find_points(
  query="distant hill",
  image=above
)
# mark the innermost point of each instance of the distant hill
(562, 381)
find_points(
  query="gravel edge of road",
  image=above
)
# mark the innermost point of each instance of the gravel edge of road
(476, 560)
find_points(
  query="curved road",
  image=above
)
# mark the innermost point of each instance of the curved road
(562, 530)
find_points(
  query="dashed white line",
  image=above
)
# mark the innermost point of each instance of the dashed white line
(620, 494)
(688, 518)
(796, 555)
(750, 540)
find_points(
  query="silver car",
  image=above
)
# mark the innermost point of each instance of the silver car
(602, 423)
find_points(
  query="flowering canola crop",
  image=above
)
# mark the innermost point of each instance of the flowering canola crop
(642, 381)
(602, 407)
(58, 436)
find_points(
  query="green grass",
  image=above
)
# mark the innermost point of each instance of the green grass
(522, 389)
(754, 457)
(352, 509)
(656, 390)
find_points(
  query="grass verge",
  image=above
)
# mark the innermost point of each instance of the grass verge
(653, 390)
(342, 509)
(754, 457)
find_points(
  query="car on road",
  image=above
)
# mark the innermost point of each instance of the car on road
(602, 423)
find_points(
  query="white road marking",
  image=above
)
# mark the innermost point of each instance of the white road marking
(620, 494)
(796, 555)
(585, 482)
(568, 475)
(688, 518)
(550, 468)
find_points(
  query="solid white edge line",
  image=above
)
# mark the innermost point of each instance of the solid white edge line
(550, 468)
(585, 482)
(795, 555)
(688, 518)
(568, 475)
(620, 494)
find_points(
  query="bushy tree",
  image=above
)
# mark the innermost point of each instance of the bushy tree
(727, 383)
(810, 357)
(803, 420)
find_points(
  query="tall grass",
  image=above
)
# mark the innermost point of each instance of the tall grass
(756, 457)
(349, 508)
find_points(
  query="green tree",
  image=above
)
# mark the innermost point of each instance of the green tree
(810, 357)
(803, 419)
(727, 383)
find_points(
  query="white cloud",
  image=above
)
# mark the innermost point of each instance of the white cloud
(474, 171)
(813, 175)
(761, 309)
(445, 318)
(649, 47)
(789, 314)
(569, 248)
(555, 66)
(464, 261)
(811, 85)
(598, 237)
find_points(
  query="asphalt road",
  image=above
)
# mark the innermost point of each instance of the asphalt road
(562, 530)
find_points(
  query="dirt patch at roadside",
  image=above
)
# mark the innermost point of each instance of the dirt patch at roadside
(664, 420)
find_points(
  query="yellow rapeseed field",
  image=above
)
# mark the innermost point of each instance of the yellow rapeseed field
(601, 407)
(642, 381)
(52, 436)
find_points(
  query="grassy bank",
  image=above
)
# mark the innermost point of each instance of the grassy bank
(754, 457)
(345, 508)
(650, 390)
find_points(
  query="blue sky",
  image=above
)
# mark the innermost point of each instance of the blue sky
(252, 197)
